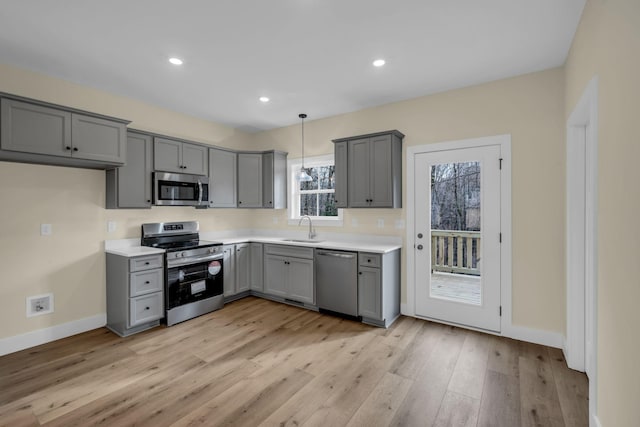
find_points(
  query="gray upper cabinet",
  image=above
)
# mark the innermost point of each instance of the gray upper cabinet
(129, 186)
(42, 133)
(180, 157)
(195, 159)
(373, 168)
(98, 139)
(249, 180)
(341, 167)
(222, 178)
(274, 180)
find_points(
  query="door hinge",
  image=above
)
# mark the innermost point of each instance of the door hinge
(500, 237)
(500, 163)
(500, 311)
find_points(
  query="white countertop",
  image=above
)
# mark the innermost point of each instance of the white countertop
(381, 248)
(337, 241)
(130, 251)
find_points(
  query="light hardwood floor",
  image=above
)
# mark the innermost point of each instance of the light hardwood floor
(257, 362)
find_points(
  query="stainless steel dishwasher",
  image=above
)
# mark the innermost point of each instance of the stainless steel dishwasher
(337, 281)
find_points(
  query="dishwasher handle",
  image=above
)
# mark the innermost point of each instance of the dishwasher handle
(337, 255)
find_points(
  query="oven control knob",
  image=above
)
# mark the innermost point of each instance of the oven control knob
(183, 254)
(212, 251)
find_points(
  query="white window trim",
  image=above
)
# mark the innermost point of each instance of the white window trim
(293, 166)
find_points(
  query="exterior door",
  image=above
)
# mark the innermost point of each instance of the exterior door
(457, 226)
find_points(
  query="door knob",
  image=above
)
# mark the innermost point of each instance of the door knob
(419, 247)
(419, 235)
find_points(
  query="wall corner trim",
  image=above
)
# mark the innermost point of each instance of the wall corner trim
(53, 333)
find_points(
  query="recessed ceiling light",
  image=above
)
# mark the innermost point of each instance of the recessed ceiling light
(379, 62)
(264, 99)
(175, 61)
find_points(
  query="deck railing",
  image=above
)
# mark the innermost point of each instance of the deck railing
(455, 251)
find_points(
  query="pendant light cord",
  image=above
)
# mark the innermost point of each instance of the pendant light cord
(302, 116)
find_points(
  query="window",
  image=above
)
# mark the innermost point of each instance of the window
(314, 198)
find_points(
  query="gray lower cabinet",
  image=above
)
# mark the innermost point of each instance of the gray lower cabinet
(257, 263)
(379, 287)
(42, 133)
(243, 267)
(171, 155)
(373, 168)
(288, 273)
(274, 180)
(249, 180)
(135, 293)
(222, 178)
(129, 186)
(229, 270)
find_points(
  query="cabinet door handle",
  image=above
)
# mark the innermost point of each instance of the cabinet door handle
(75, 148)
(148, 201)
(147, 282)
(360, 273)
(146, 263)
(146, 308)
(68, 148)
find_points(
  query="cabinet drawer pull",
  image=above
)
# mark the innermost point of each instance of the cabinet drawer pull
(146, 263)
(146, 308)
(147, 282)
(75, 148)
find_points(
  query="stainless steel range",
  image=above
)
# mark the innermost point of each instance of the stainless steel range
(194, 273)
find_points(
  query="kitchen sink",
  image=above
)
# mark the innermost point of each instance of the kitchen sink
(302, 240)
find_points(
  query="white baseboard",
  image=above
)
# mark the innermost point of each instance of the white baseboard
(53, 333)
(536, 336)
(596, 421)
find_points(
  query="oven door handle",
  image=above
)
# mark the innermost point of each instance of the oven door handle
(189, 261)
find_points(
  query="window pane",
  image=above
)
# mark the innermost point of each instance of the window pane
(326, 177)
(309, 204)
(327, 205)
(310, 185)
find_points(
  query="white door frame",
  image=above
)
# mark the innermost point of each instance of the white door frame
(409, 309)
(582, 245)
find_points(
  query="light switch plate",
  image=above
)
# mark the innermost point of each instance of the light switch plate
(111, 226)
(46, 229)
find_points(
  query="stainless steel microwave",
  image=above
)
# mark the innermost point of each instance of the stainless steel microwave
(178, 189)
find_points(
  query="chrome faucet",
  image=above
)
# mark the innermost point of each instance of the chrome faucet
(312, 232)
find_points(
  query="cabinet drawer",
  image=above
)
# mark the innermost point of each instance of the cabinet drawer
(293, 251)
(369, 260)
(145, 309)
(145, 282)
(145, 263)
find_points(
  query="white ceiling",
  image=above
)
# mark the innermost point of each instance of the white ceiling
(310, 56)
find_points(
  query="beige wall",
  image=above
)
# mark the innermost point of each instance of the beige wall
(530, 108)
(607, 44)
(71, 263)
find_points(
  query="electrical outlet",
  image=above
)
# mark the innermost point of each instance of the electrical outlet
(275, 219)
(39, 304)
(380, 223)
(399, 224)
(46, 229)
(111, 226)
(354, 222)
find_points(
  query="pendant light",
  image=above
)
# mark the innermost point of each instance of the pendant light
(302, 174)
